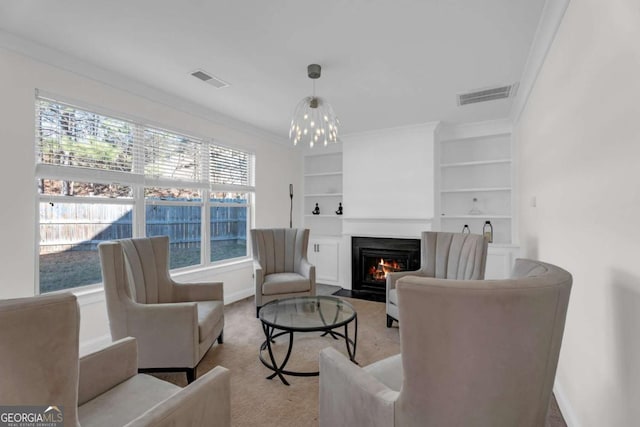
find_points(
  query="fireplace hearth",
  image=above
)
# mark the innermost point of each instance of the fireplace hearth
(374, 257)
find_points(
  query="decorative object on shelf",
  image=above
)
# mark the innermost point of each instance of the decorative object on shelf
(339, 211)
(487, 230)
(291, 206)
(313, 119)
(316, 211)
(466, 229)
(474, 209)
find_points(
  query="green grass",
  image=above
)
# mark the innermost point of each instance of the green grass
(73, 268)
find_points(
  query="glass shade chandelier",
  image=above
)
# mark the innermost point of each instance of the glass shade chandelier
(314, 121)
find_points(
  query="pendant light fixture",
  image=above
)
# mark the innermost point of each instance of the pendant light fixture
(314, 121)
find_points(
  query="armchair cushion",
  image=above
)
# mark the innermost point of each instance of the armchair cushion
(388, 371)
(285, 283)
(126, 401)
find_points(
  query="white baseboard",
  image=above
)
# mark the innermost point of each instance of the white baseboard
(237, 296)
(564, 404)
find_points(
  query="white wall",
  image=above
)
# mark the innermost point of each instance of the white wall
(389, 173)
(579, 142)
(277, 165)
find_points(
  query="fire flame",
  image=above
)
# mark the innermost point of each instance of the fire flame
(380, 271)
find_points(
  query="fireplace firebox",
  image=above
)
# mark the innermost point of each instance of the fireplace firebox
(374, 257)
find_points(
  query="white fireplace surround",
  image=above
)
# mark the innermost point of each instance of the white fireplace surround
(388, 180)
(386, 227)
(388, 185)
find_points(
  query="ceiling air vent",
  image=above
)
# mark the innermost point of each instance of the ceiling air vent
(488, 94)
(208, 78)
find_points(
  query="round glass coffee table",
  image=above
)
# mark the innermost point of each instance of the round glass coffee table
(305, 314)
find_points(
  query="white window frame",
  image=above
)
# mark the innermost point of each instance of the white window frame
(138, 182)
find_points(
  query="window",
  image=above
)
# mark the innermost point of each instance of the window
(228, 225)
(102, 178)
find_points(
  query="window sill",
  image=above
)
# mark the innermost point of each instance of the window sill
(93, 294)
(88, 295)
(221, 267)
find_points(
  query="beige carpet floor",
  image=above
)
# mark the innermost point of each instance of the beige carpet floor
(257, 401)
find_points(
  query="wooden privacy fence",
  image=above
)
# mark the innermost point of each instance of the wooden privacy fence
(71, 226)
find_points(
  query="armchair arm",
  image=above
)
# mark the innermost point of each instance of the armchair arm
(167, 334)
(106, 368)
(307, 270)
(258, 280)
(392, 278)
(258, 273)
(185, 292)
(205, 402)
(350, 396)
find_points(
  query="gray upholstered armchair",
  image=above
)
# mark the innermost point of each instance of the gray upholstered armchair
(39, 365)
(473, 353)
(174, 323)
(280, 264)
(444, 256)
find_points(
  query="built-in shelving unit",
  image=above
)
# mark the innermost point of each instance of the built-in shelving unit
(476, 162)
(482, 162)
(323, 185)
(475, 185)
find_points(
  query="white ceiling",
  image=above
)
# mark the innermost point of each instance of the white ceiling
(384, 63)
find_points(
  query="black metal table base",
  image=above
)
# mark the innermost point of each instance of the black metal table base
(280, 371)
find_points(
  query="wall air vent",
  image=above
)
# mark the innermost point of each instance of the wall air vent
(488, 94)
(208, 78)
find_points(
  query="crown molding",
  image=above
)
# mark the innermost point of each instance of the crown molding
(428, 126)
(474, 129)
(550, 20)
(82, 68)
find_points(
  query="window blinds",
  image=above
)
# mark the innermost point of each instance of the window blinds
(230, 169)
(72, 143)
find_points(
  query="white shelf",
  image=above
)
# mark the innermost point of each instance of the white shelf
(503, 245)
(324, 195)
(480, 216)
(474, 138)
(324, 216)
(475, 163)
(315, 235)
(473, 190)
(323, 174)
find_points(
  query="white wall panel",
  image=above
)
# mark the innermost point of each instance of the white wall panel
(578, 139)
